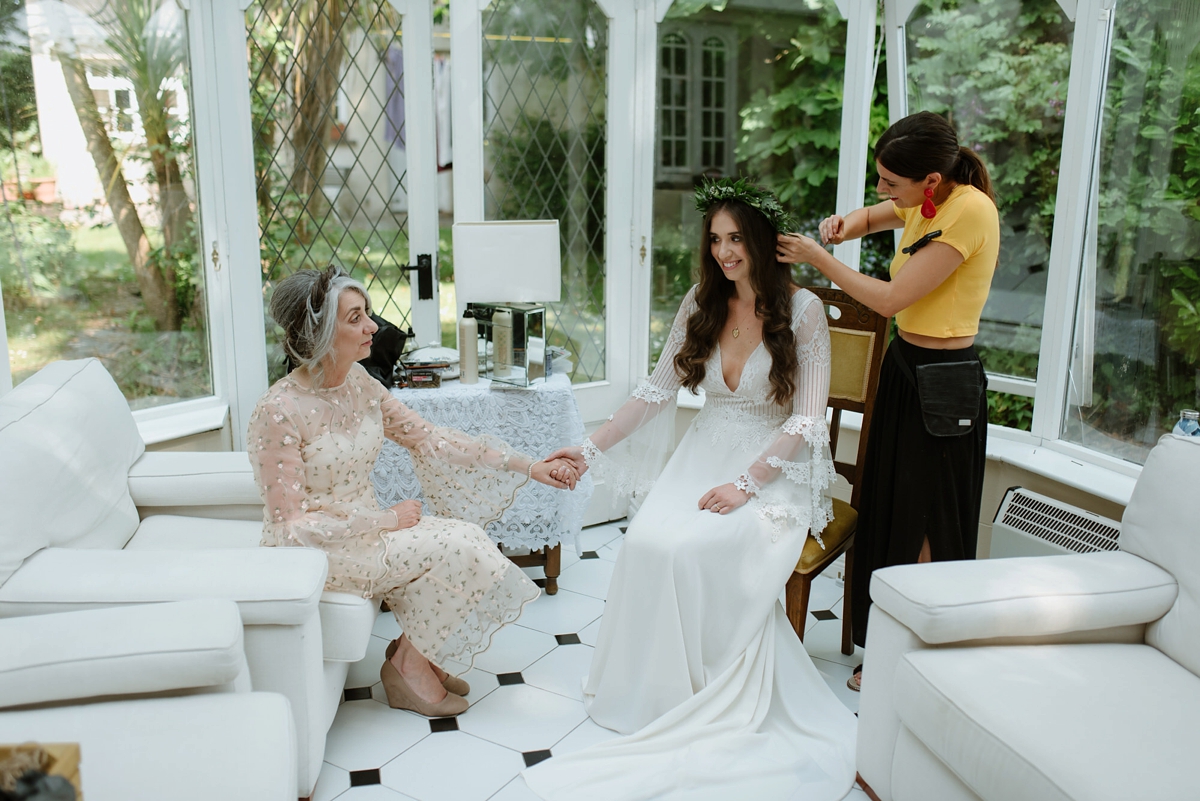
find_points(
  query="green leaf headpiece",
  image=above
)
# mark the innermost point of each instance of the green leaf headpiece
(714, 191)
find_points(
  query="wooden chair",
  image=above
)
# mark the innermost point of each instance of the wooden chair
(858, 339)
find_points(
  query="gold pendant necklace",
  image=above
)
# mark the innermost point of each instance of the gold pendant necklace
(736, 329)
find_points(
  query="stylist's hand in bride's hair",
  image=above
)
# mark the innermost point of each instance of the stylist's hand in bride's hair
(796, 248)
(723, 499)
(574, 455)
(833, 230)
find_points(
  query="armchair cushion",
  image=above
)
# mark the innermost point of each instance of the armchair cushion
(1160, 526)
(1092, 722)
(138, 649)
(184, 533)
(67, 440)
(346, 620)
(270, 585)
(232, 746)
(193, 479)
(947, 602)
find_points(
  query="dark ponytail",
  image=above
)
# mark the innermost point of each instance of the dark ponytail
(970, 169)
(925, 143)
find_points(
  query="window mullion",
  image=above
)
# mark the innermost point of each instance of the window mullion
(1084, 95)
(856, 118)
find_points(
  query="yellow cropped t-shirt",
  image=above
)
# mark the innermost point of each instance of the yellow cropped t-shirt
(970, 224)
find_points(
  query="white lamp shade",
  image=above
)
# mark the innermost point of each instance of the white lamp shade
(513, 261)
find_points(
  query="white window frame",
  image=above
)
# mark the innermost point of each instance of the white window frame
(1042, 447)
(695, 35)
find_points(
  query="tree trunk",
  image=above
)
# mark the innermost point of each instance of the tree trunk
(172, 197)
(157, 293)
(318, 68)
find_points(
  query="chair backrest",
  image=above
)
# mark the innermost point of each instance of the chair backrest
(67, 441)
(857, 339)
(1161, 526)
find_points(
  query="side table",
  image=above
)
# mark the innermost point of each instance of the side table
(535, 421)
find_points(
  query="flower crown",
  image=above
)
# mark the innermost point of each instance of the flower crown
(714, 191)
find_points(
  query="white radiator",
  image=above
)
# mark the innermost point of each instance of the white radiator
(1029, 524)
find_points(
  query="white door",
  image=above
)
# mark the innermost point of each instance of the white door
(546, 115)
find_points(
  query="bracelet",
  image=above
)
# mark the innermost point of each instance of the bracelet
(529, 472)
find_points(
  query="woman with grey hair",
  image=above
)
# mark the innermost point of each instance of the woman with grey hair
(313, 441)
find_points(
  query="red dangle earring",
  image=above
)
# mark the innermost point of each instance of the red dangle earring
(928, 210)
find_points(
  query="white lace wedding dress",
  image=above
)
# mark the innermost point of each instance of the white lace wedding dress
(696, 662)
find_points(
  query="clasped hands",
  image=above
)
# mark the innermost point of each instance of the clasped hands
(718, 500)
(552, 471)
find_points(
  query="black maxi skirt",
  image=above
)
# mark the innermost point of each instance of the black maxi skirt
(915, 485)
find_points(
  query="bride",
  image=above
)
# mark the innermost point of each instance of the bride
(696, 662)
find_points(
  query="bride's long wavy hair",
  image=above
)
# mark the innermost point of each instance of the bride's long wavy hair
(772, 283)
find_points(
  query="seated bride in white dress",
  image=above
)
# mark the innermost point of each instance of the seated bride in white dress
(696, 662)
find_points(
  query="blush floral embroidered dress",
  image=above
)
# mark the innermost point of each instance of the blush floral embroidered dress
(696, 663)
(450, 588)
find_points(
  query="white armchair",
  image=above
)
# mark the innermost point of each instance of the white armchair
(75, 485)
(1066, 677)
(156, 696)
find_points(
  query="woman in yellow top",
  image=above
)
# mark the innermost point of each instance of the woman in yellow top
(923, 477)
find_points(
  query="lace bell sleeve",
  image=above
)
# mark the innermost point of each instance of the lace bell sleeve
(274, 448)
(468, 478)
(631, 449)
(790, 481)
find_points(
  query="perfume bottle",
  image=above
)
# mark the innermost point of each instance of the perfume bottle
(468, 349)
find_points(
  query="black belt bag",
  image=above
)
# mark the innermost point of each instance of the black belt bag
(949, 394)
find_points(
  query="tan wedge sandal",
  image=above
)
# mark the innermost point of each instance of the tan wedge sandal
(452, 684)
(401, 696)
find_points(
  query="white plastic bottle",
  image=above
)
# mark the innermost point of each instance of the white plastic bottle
(502, 343)
(468, 349)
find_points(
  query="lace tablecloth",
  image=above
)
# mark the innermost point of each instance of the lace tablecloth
(535, 421)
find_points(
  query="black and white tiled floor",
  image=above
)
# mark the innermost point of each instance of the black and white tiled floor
(525, 697)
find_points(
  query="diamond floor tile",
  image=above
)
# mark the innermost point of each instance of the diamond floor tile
(824, 641)
(452, 766)
(515, 648)
(367, 734)
(584, 735)
(561, 671)
(596, 537)
(332, 782)
(522, 717)
(589, 577)
(564, 613)
(590, 634)
(516, 790)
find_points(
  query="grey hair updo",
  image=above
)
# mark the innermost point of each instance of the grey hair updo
(305, 305)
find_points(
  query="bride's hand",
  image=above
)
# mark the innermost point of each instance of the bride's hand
(559, 474)
(573, 455)
(723, 499)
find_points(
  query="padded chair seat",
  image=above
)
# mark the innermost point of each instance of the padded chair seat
(844, 523)
(346, 620)
(1089, 722)
(236, 746)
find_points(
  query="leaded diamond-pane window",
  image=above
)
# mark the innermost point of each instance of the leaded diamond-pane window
(544, 83)
(327, 115)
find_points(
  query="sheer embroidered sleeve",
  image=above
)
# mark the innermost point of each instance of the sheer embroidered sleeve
(274, 447)
(631, 449)
(791, 479)
(469, 478)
